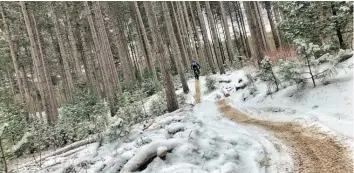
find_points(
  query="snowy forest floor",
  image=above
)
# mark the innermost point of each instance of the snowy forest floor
(310, 130)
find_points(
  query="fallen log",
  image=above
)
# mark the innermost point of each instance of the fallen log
(147, 153)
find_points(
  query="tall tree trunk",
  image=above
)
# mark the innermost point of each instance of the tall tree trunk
(242, 26)
(23, 75)
(230, 46)
(215, 38)
(272, 24)
(98, 50)
(123, 52)
(257, 41)
(174, 47)
(223, 50)
(200, 47)
(184, 33)
(111, 76)
(54, 43)
(87, 61)
(257, 8)
(39, 106)
(9, 78)
(236, 37)
(103, 37)
(338, 31)
(207, 46)
(185, 58)
(40, 74)
(63, 54)
(277, 14)
(172, 103)
(49, 93)
(125, 41)
(132, 52)
(7, 30)
(147, 46)
(73, 44)
(190, 33)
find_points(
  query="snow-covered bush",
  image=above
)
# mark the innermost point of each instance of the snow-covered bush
(158, 106)
(210, 83)
(181, 98)
(84, 115)
(148, 87)
(311, 56)
(306, 20)
(290, 73)
(117, 129)
(268, 75)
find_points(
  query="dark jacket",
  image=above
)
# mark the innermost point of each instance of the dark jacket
(195, 66)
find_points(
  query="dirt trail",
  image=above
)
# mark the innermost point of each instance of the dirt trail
(197, 91)
(313, 152)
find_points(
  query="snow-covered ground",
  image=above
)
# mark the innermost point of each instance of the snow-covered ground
(198, 139)
(328, 106)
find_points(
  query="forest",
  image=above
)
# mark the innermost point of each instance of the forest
(74, 74)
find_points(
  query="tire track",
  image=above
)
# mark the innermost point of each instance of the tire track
(313, 152)
(197, 91)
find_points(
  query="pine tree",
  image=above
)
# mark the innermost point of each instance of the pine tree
(172, 103)
(276, 37)
(230, 46)
(258, 42)
(207, 46)
(174, 47)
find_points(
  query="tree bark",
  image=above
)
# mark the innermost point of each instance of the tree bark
(184, 32)
(258, 15)
(200, 48)
(230, 46)
(236, 37)
(205, 38)
(40, 70)
(9, 78)
(98, 50)
(111, 75)
(147, 46)
(73, 44)
(185, 58)
(12, 52)
(242, 26)
(338, 31)
(172, 103)
(63, 54)
(49, 94)
(87, 62)
(272, 24)
(190, 33)
(121, 43)
(174, 47)
(102, 35)
(255, 33)
(215, 38)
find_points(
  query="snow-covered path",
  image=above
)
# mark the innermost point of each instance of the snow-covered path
(289, 131)
(312, 151)
(267, 154)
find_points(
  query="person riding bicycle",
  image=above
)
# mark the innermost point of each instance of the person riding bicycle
(195, 67)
